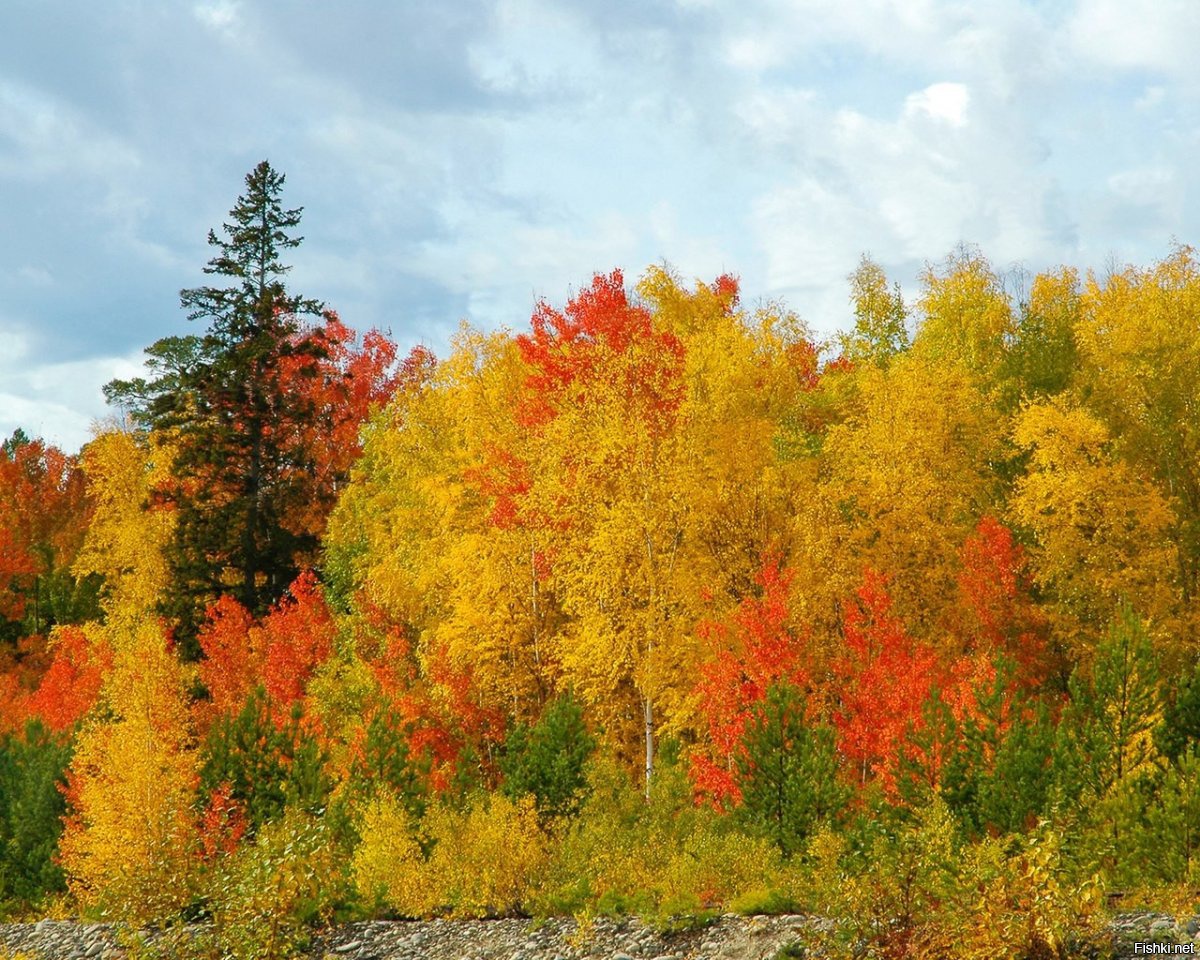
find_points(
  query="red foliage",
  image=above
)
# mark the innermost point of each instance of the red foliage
(436, 710)
(282, 652)
(296, 638)
(802, 358)
(726, 287)
(1000, 615)
(342, 381)
(601, 340)
(71, 685)
(761, 651)
(229, 670)
(885, 679)
(44, 513)
(504, 479)
(223, 824)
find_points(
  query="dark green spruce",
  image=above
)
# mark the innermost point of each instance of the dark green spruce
(241, 464)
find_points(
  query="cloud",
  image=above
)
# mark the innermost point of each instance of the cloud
(462, 159)
(941, 101)
(59, 401)
(1157, 36)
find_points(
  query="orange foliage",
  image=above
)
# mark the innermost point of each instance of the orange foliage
(1001, 617)
(281, 653)
(568, 351)
(223, 824)
(71, 685)
(761, 651)
(297, 637)
(229, 670)
(885, 678)
(44, 512)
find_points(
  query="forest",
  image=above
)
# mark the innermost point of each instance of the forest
(655, 604)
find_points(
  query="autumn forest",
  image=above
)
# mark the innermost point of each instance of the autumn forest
(654, 604)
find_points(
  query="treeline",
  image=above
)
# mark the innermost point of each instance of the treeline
(658, 605)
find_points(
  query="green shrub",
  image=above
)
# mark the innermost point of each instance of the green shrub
(269, 766)
(789, 773)
(265, 897)
(32, 771)
(547, 760)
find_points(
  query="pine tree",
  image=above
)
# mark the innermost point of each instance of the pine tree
(241, 462)
(788, 772)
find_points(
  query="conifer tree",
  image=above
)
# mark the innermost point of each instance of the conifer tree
(241, 462)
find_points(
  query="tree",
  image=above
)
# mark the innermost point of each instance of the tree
(44, 512)
(787, 771)
(880, 330)
(1102, 528)
(885, 680)
(241, 465)
(547, 759)
(762, 652)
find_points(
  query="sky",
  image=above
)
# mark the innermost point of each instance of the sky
(459, 159)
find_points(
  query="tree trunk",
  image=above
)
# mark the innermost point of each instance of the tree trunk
(648, 717)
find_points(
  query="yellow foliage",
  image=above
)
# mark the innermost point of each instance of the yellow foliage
(1139, 341)
(485, 859)
(1103, 530)
(908, 474)
(967, 316)
(265, 895)
(125, 540)
(128, 848)
(388, 865)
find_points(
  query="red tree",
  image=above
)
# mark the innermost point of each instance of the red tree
(885, 678)
(759, 650)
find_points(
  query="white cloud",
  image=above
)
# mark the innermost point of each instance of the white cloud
(48, 138)
(59, 402)
(1154, 35)
(941, 101)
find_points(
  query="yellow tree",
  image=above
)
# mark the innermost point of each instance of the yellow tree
(967, 318)
(906, 477)
(880, 328)
(1102, 528)
(434, 530)
(127, 847)
(1139, 343)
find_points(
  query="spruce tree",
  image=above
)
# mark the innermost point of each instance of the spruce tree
(240, 463)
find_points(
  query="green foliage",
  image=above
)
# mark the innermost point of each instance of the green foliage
(386, 764)
(547, 760)
(788, 774)
(1000, 776)
(270, 765)
(1180, 726)
(32, 772)
(880, 317)
(239, 471)
(666, 859)
(264, 898)
(1106, 733)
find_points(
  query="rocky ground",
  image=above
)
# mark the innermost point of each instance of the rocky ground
(728, 938)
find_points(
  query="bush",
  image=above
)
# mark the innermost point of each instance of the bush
(918, 893)
(483, 862)
(388, 865)
(788, 774)
(264, 897)
(660, 859)
(32, 771)
(547, 760)
(268, 765)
